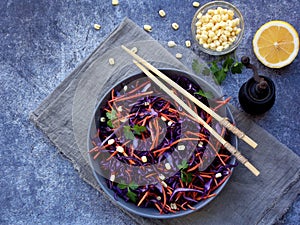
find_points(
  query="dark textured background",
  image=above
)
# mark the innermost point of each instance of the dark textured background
(42, 41)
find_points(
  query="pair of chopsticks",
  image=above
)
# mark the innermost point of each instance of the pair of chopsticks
(223, 121)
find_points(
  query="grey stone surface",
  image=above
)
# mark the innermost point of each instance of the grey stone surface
(43, 41)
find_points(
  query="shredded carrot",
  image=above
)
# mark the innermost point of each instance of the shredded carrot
(131, 97)
(221, 103)
(143, 198)
(188, 205)
(158, 207)
(112, 155)
(164, 197)
(162, 150)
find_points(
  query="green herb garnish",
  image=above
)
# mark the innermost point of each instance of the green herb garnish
(237, 68)
(219, 73)
(229, 65)
(184, 165)
(130, 132)
(198, 68)
(130, 188)
(112, 115)
(208, 94)
(138, 129)
(185, 176)
(131, 195)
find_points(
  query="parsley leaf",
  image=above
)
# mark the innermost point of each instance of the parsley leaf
(206, 71)
(199, 68)
(130, 187)
(237, 68)
(109, 123)
(208, 95)
(122, 185)
(214, 67)
(229, 65)
(131, 195)
(138, 129)
(220, 76)
(128, 133)
(133, 185)
(196, 66)
(183, 165)
(186, 177)
(112, 115)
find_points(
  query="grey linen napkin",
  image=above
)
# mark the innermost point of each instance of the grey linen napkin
(64, 116)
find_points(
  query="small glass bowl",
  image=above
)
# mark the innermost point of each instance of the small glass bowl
(214, 5)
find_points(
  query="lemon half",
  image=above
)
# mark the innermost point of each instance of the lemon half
(276, 44)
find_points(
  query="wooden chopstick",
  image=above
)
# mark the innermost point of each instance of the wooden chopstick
(226, 144)
(223, 121)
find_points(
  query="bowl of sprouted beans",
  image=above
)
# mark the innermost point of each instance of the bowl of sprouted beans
(150, 156)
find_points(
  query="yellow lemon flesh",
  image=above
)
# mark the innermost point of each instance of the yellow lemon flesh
(276, 44)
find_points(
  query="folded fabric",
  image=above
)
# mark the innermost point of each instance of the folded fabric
(65, 115)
